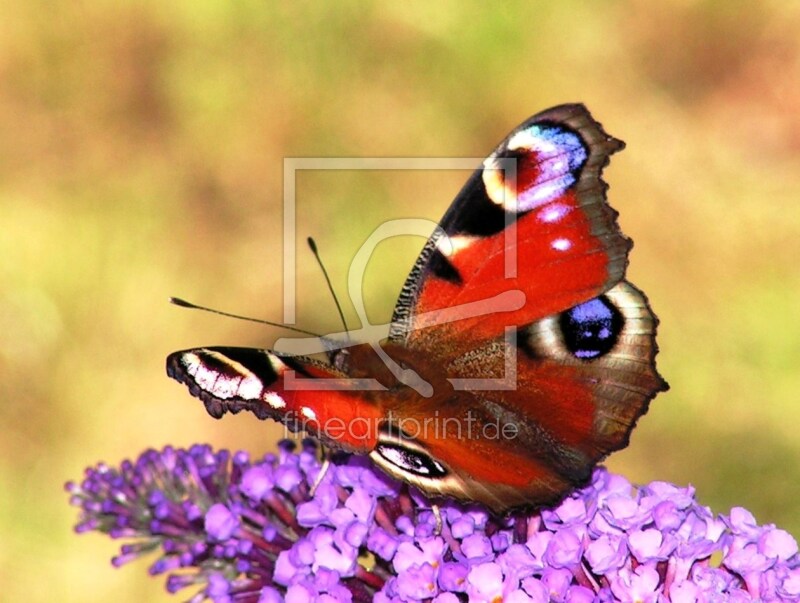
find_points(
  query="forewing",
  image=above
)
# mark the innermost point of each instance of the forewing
(299, 392)
(529, 235)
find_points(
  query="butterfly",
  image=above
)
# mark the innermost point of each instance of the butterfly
(518, 356)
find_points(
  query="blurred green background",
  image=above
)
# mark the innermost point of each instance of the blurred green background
(141, 156)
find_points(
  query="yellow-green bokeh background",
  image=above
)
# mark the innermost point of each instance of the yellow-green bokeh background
(141, 156)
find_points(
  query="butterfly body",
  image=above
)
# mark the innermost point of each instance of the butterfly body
(518, 357)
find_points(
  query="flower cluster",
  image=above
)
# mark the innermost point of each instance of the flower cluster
(281, 529)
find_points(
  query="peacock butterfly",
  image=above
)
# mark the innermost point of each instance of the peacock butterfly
(502, 381)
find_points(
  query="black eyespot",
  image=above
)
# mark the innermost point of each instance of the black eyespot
(591, 329)
(411, 461)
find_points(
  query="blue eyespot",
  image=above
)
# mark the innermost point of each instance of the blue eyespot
(591, 329)
(560, 155)
(548, 159)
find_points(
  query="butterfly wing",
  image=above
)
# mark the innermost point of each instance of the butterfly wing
(580, 370)
(529, 417)
(532, 221)
(299, 392)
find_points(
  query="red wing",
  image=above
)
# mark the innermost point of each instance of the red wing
(299, 392)
(533, 219)
(579, 382)
(594, 366)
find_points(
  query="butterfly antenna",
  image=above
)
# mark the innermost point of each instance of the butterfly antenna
(185, 304)
(313, 246)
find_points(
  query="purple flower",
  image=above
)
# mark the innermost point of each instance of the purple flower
(253, 531)
(607, 554)
(220, 522)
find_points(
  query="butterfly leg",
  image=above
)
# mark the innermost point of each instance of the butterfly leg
(437, 515)
(323, 470)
